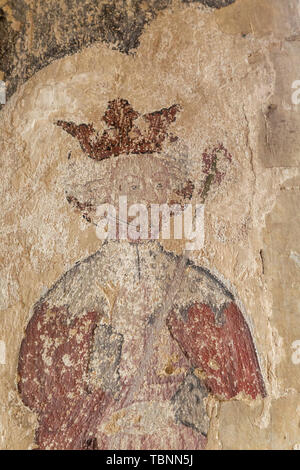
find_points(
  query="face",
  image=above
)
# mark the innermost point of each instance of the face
(143, 179)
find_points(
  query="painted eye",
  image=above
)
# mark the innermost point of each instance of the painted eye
(134, 187)
(159, 186)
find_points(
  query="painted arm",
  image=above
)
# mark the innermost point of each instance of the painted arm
(53, 369)
(220, 347)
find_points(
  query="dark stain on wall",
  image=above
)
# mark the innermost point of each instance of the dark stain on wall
(8, 39)
(33, 35)
(189, 404)
(47, 33)
(212, 3)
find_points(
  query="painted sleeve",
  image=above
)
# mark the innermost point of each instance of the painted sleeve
(222, 349)
(52, 378)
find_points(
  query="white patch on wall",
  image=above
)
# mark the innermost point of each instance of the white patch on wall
(2, 353)
(9, 290)
(1, 432)
(3, 292)
(295, 257)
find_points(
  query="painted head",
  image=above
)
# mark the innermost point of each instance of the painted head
(128, 160)
(137, 157)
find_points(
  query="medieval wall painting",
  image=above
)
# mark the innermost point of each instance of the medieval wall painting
(141, 344)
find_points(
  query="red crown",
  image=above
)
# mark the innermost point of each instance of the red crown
(122, 135)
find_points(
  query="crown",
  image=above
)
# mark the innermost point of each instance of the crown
(122, 135)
